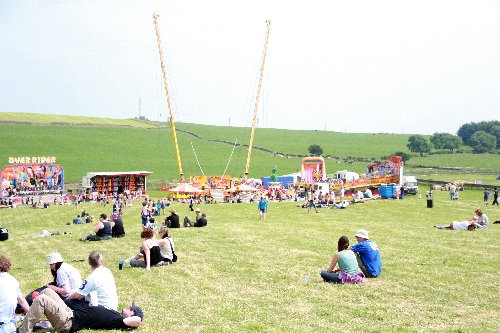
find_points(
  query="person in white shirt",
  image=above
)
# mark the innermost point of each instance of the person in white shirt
(10, 295)
(67, 279)
(101, 281)
(482, 220)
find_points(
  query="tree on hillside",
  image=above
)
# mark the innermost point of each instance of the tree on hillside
(467, 130)
(495, 130)
(446, 141)
(403, 155)
(419, 144)
(482, 142)
(315, 150)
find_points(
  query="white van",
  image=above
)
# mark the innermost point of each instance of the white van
(349, 176)
(410, 184)
(321, 187)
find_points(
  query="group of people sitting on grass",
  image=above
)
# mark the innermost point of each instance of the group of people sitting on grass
(356, 263)
(105, 229)
(68, 303)
(153, 252)
(173, 220)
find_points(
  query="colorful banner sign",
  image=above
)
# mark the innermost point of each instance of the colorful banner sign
(28, 177)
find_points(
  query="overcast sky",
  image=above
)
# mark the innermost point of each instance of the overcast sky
(391, 66)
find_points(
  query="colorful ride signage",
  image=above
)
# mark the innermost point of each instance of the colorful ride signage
(28, 175)
(35, 159)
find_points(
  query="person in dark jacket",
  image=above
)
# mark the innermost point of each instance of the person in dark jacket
(117, 229)
(172, 221)
(102, 230)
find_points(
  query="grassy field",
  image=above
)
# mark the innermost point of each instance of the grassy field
(74, 120)
(240, 275)
(84, 144)
(82, 149)
(484, 162)
(447, 176)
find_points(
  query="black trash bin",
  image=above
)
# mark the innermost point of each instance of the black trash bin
(430, 203)
(4, 234)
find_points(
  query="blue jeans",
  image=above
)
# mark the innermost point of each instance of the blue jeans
(330, 277)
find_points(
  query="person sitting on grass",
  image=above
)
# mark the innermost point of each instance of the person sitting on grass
(167, 246)
(100, 281)
(102, 230)
(77, 220)
(117, 229)
(187, 220)
(10, 296)
(149, 253)
(172, 221)
(367, 254)
(66, 277)
(481, 220)
(81, 317)
(348, 271)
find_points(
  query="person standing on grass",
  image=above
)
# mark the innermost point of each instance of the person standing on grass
(10, 295)
(311, 202)
(348, 271)
(368, 254)
(495, 196)
(263, 208)
(486, 196)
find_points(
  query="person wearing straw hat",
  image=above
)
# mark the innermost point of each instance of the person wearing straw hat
(368, 254)
(65, 319)
(172, 221)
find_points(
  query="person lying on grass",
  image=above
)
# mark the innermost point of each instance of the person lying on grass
(456, 225)
(348, 271)
(64, 319)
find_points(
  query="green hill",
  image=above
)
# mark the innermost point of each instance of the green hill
(83, 144)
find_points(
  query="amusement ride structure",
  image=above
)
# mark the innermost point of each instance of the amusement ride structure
(172, 123)
(210, 181)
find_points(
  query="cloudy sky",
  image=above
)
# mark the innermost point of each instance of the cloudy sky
(390, 66)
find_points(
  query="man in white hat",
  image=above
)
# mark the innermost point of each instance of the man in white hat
(368, 254)
(187, 220)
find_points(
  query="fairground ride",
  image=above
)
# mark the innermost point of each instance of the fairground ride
(172, 123)
(256, 109)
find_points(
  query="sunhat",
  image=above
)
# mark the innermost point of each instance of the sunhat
(362, 233)
(54, 257)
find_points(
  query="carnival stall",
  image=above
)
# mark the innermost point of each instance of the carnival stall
(116, 182)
